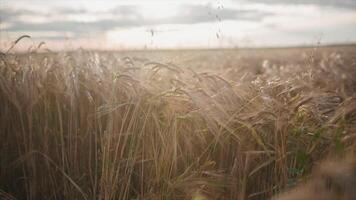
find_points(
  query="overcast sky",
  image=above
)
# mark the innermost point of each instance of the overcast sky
(177, 23)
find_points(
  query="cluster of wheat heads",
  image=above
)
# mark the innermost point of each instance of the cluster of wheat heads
(88, 125)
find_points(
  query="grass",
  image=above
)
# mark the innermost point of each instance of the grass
(100, 125)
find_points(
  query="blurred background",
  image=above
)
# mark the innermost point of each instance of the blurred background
(171, 24)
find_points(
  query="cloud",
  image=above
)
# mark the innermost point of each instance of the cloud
(80, 21)
(7, 14)
(333, 3)
(191, 14)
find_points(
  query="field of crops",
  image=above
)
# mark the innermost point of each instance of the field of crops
(185, 124)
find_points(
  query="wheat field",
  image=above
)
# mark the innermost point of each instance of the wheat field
(188, 124)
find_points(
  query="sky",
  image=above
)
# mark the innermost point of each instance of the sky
(161, 24)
